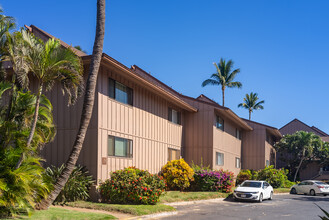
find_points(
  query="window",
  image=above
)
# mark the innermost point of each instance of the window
(173, 154)
(120, 147)
(174, 116)
(238, 134)
(219, 159)
(267, 161)
(120, 92)
(219, 123)
(237, 162)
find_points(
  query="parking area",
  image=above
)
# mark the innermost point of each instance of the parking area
(283, 206)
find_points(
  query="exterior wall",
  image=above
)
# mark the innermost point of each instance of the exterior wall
(270, 154)
(309, 171)
(198, 134)
(67, 120)
(253, 147)
(227, 143)
(145, 123)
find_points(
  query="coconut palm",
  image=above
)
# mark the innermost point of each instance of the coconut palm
(223, 77)
(7, 24)
(49, 63)
(87, 108)
(251, 103)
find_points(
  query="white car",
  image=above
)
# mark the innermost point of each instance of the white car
(253, 190)
(311, 187)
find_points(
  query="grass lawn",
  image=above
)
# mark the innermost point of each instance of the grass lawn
(282, 190)
(63, 214)
(130, 209)
(176, 196)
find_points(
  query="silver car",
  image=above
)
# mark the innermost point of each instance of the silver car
(311, 187)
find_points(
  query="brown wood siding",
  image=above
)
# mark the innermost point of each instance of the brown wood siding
(146, 123)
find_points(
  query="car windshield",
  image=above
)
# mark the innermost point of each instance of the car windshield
(252, 184)
(321, 183)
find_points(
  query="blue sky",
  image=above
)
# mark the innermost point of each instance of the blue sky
(281, 47)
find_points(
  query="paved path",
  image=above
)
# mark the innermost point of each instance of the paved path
(282, 207)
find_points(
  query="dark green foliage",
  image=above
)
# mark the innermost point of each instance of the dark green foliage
(326, 214)
(132, 186)
(76, 188)
(243, 176)
(275, 177)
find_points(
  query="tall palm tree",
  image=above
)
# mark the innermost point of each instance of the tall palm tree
(48, 62)
(223, 77)
(87, 108)
(250, 103)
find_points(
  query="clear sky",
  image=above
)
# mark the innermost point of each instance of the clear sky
(281, 46)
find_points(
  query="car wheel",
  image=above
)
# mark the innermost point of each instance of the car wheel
(271, 196)
(293, 191)
(312, 192)
(260, 198)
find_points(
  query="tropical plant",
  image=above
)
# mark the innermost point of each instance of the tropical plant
(243, 176)
(223, 77)
(276, 177)
(132, 186)
(7, 23)
(22, 188)
(302, 147)
(87, 108)
(326, 214)
(251, 103)
(78, 47)
(76, 188)
(177, 174)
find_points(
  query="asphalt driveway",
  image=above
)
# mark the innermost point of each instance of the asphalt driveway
(282, 207)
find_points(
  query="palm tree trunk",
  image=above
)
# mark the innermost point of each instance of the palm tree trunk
(87, 108)
(33, 126)
(299, 165)
(249, 115)
(223, 95)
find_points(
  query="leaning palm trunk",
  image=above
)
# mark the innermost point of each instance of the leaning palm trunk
(223, 95)
(87, 107)
(33, 126)
(299, 165)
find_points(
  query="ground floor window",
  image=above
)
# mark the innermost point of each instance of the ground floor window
(173, 154)
(237, 162)
(267, 162)
(219, 159)
(120, 147)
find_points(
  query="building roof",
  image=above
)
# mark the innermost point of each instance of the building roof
(224, 110)
(276, 132)
(45, 36)
(312, 129)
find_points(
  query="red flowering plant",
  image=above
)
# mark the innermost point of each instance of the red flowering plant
(132, 186)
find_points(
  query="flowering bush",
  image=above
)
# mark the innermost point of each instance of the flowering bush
(132, 186)
(243, 176)
(275, 177)
(217, 180)
(177, 174)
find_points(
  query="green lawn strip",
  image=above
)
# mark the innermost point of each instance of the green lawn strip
(282, 190)
(176, 196)
(129, 209)
(64, 214)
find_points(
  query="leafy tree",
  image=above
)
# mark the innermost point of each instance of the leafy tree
(78, 47)
(87, 108)
(48, 62)
(301, 147)
(223, 77)
(251, 103)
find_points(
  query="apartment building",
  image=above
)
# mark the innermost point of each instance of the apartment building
(139, 121)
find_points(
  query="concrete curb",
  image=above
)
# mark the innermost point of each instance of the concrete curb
(195, 202)
(151, 216)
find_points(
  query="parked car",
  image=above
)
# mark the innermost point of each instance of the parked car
(311, 187)
(253, 190)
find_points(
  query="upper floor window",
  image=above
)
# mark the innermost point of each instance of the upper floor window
(219, 159)
(238, 134)
(120, 92)
(120, 147)
(219, 123)
(174, 116)
(237, 162)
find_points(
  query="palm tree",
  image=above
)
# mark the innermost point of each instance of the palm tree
(250, 103)
(87, 108)
(49, 63)
(223, 77)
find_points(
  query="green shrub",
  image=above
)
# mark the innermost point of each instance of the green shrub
(76, 188)
(275, 177)
(132, 186)
(288, 184)
(243, 176)
(217, 180)
(177, 174)
(200, 167)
